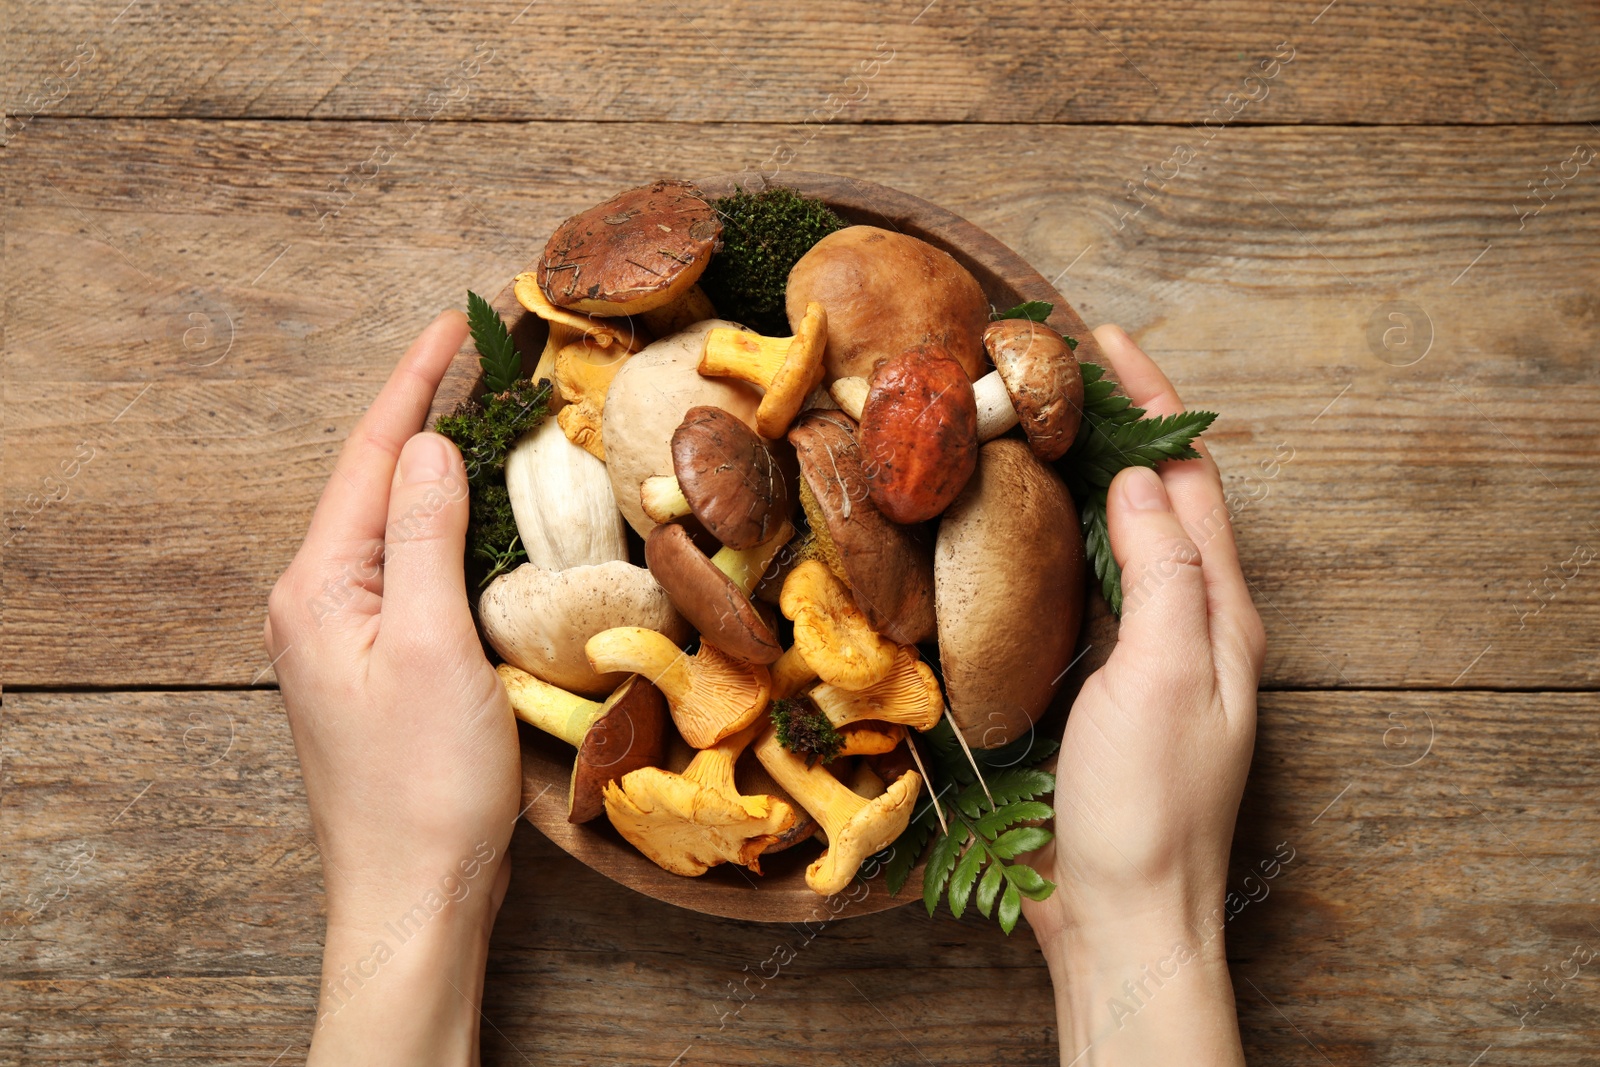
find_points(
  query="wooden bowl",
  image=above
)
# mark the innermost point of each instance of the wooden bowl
(780, 893)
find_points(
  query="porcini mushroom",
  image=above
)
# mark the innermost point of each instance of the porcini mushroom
(856, 827)
(724, 475)
(1009, 574)
(786, 368)
(710, 693)
(647, 401)
(561, 497)
(918, 434)
(639, 250)
(713, 592)
(888, 567)
(908, 694)
(690, 822)
(885, 292)
(624, 733)
(539, 619)
(1036, 381)
(832, 638)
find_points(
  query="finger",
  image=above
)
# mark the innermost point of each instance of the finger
(1164, 608)
(424, 588)
(1195, 489)
(349, 520)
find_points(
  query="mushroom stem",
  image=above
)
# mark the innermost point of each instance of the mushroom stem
(851, 396)
(790, 674)
(856, 826)
(662, 498)
(545, 707)
(786, 368)
(713, 767)
(744, 567)
(909, 695)
(710, 694)
(996, 414)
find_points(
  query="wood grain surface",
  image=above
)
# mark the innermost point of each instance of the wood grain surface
(1366, 233)
(1397, 61)
(1436, 856)
(1402, 526)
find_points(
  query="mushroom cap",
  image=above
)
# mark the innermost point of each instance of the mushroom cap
(888, 567)
(908, 694)
(870, 739)
(885, 292)
(539, 620)
(709, 599)
(1009, 578)
(728, 476)
(1043, 379)
(833, 636)
(687, 827)
(870, 830)
(630, 733)
(639, 250)
(918, 433)
(647, 401)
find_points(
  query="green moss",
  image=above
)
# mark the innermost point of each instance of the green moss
(763, 235)
(485, 431)
(804, 730)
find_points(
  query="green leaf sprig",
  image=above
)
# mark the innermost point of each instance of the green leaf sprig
(979, 851)
(497, 352)
(1037, 310)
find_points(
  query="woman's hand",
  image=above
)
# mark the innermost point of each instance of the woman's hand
(1150, 774)
(406, 740)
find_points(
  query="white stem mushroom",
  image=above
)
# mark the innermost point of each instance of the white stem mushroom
(561, 497)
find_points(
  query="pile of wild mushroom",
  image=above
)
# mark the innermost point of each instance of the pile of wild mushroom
(848, 534)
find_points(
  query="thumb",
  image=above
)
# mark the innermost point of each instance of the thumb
(424, 586)
(1163, 587)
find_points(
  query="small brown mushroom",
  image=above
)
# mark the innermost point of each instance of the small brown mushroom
(626, 732)
(884, 292)
(639, 250)
(1036, 381)
(918, 434)
(724, 475)
(888, 567)
(713, 592)
(1009, 574)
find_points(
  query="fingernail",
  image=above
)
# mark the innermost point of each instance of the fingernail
(426, 458)
(1143, 491)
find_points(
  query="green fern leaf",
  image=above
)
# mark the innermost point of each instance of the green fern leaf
(941, 858)
(966, 872)
(991, 823)
(1014, 843)
(1010, 908)
(988, 887)
(497, 353)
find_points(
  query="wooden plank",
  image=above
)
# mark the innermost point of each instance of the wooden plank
(849, 60)
(1420, 525)
(1436, 848)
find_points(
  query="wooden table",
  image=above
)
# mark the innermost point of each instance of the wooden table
(1366, 232)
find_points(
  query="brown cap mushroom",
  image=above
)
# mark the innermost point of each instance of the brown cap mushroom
(856, 827)
(538, 620)
(832, 638)
(626, 732)
(885, 292)
(908, 694)
(724, 475)
(713, 592)
(637, 251)
(1036, 381)
(693, 821)
(888, 567)
(1009, 574)
(648, 399)
(710, 693)
(786, 368)
(918, 433)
